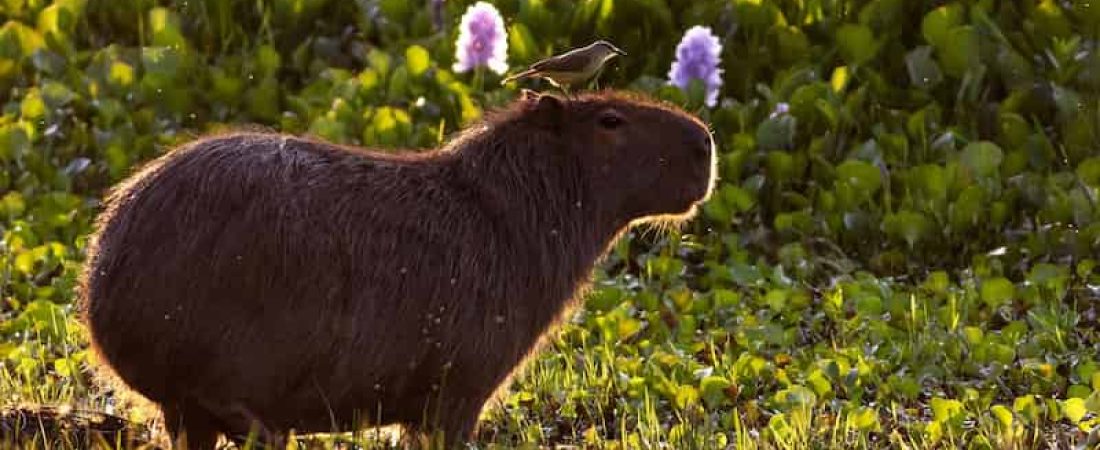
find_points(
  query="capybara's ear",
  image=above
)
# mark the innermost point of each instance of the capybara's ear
(549, 108)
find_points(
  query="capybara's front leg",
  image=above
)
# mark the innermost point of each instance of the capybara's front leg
(189, 426)
(241, 424)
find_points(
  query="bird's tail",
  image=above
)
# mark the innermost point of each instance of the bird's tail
(524, 74)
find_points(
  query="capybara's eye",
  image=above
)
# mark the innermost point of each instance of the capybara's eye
(611, 119)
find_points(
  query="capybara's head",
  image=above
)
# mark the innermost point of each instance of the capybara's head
(644, 158)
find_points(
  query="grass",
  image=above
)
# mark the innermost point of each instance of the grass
(661, 358)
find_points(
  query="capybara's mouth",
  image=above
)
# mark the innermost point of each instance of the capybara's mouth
(707, 173)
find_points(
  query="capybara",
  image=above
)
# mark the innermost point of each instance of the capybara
(265, 283)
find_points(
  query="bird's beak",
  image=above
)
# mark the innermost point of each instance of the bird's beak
(617, 50)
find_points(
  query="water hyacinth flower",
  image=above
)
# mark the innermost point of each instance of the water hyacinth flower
(697, 58)
(482, 41)
(435, 8)
(781, 108)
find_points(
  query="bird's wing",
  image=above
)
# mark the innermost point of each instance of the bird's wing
(569, 61)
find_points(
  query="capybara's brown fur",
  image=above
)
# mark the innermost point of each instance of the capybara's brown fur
(267, 283)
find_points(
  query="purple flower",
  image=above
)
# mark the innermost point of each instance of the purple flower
(435, 7)
(697, 58)
(481, 40)
(780, 109)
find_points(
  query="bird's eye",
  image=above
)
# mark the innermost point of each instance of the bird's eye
(611, 120)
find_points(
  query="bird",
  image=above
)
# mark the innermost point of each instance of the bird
(570, 68)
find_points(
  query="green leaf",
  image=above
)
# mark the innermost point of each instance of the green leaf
(713, 390)
(12, 204)
(923, 71)
(997, 291)
(1050, 21)
(1027, 407)
(57, 95)
(14, 142)
(937, 24)
(32, 108)
(44, 318)
(18, 40)
(974, 335)
(966, 211)
(796, 396)
(909, 226)
(776, 132)
(604, 299)
(66, 367)
(1089, 171)
(868, 306)
(860, 175)
(857, 43)
(417, 60)
(1074, 409)
(780, 166)
(120, 75)
(267, 62)
(947, 410)
(163, 61)
(165, 28)
(982, 158)
(1003, 415)
(686, 395)
(865, 419)
(961, 53)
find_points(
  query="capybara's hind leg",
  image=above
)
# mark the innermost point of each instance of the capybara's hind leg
(190, 427)
(454, 425)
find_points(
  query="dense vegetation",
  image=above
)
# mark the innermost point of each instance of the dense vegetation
(902, 250)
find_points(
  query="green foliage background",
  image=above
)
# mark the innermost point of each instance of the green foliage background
(906, 257)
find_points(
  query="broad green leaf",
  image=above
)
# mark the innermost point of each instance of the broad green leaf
(865, 419)
(713, 390)
(164, 27)
(267, 62)
(1003, 415)
(12, 204)
(18, 40)
(974, 335)
(797, 396)
(857, 43)
(776, 132)
(982, 158)
(839, 80)
(780, 166)
(1074, 409)
(1049, 20)
(685, 396)
(961, 53)
(923, 70)
(32, 108)
(1089, 171)
(417, 60)
(909, 226)
(946, 410)
(937, 24)
(997, 291)
(121, 75)
(14, 142)
(860, 175)
(604, 299)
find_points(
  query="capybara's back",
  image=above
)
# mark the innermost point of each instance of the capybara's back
(266, 282)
